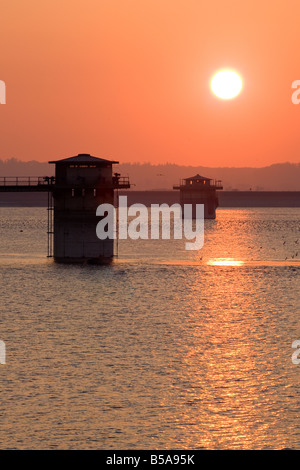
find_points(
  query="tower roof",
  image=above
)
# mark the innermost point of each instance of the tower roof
(83, 158)
(197, 177)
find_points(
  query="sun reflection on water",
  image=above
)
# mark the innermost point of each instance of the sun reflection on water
(224, 262)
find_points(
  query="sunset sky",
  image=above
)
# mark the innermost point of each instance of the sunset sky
(129, 80)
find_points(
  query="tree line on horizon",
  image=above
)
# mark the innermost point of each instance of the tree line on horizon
(147, 176)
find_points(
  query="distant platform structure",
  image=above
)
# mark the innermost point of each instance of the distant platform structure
(80, 185)
(200, 190)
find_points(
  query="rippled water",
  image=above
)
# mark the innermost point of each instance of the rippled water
(164, 349)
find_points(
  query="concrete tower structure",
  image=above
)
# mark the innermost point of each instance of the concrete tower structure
(200, 190)
(82, 183)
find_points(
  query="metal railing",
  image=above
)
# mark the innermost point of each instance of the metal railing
(116, 182)
(214, 184)
(26, 180)
(121, 182)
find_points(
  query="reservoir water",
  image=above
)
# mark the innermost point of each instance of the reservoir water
(164, 349)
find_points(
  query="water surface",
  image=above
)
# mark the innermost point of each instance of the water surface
(165, 349)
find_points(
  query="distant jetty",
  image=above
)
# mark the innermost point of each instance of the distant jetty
(226, 198)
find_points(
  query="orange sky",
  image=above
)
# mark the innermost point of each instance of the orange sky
(129, 80)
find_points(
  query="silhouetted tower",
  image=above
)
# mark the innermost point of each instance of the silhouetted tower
(200, 190)
(82, 183)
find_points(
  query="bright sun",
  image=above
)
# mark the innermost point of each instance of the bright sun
(226, 84)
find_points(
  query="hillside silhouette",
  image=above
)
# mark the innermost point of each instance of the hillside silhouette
(145, 176)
